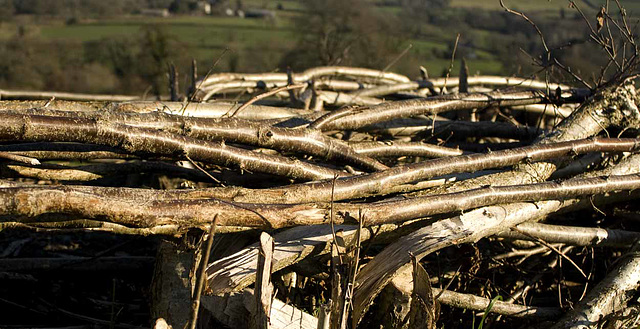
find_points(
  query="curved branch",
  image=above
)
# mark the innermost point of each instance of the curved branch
(310, 74)
(412, 107)
(300, 140)
(379, 182)
(29, 203)
(34, 128)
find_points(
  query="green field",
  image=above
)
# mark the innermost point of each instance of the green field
(259, 45)
(199, 31)
(207, 36)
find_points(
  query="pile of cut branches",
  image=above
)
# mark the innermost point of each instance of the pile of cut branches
(339, 197)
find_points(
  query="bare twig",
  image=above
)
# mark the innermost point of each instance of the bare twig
(608, 296)
(546, 244)
(397, 58)
(202, 275)
(453, 57)
(195, 92)
(265, 95)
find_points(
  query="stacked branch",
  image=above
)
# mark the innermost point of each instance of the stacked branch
(328, 177)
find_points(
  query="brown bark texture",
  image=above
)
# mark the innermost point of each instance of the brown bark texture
(350, 202)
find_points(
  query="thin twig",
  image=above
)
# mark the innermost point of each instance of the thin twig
(195, 304)
(204, 171)
(356, 259)
(395, 60)
(517, 13)
(192, 98)
(231, 114)
(49, 101)
(544, 243)
(331, 216)
(453, 56)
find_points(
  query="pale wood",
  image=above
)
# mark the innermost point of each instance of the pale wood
(324, 316)
(264, 289)
(232, 310)
(161, 324)
(586, 121)
(237, 271)
(572, 235)
(172, 283)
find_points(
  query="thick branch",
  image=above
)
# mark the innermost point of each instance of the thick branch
(210, 110)
(34, 128)
(571, 235)
(64, 151)
(29, 203)
(231, 130)
(468, 227)
(413, 107)
(378, 183)
(310, 74)
(437, 84)
(23, 94)
(99, 170)
(457, 129)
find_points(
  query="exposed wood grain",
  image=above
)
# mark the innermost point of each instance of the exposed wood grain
(232, 310)
(264, 288)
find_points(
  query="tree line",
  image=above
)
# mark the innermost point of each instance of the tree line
(328, 33)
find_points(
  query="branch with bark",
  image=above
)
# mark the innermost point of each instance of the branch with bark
(334, 186)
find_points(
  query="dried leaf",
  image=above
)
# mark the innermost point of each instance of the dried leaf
(600, 19)
(424, 308)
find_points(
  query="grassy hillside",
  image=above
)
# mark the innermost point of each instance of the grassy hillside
(259, 45)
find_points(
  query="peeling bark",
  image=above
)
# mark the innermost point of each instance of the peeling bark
(616, 105)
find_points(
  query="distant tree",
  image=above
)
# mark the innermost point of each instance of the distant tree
(179, 6)
(154, 58)
(17, 55)
(332, 33)
(158, 48)
(7, 9)
(101, 8)
(423, 6)
(159, 3)
(75, 8)
(416, 13)
(39, 7)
